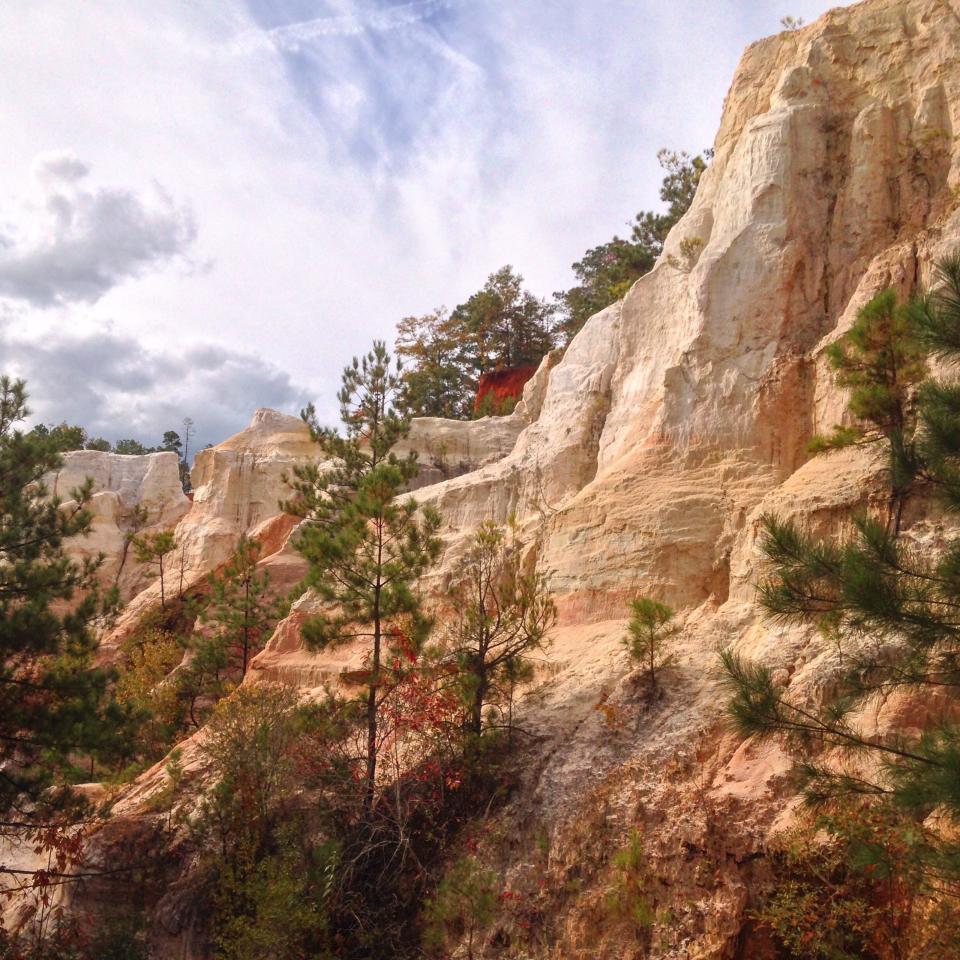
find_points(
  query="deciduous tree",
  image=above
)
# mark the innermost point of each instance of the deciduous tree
(501, 616)
(501, 325)
(433, 384)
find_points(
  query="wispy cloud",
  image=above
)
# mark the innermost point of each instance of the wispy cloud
(292, 36)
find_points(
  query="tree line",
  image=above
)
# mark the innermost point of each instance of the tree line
(503, 325)
(64, 437)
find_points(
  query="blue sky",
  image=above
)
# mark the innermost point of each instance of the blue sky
(208, 207)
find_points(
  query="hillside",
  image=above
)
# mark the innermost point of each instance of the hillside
(640, 460)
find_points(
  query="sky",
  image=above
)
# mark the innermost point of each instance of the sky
(210, 206)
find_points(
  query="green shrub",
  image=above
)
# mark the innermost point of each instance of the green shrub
(464, 904)
(650, 627)
(627, 899)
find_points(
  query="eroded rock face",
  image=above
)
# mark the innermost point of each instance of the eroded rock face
(642, 459)
(238, 489)
(121, 485)
(239, 484)
(672, 414)
(673, 421)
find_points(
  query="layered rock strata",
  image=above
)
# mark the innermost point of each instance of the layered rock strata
(131, 494)
(642, 460)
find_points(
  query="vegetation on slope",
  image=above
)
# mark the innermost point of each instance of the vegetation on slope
(504, 326)
(889, 874)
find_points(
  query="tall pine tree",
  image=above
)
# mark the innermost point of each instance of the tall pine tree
(366, 544)
(881, 359)
(55, 709)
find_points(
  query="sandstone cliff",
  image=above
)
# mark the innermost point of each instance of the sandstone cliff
(641, 459)
(121, 484)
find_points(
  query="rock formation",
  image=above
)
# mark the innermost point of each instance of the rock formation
(499, 387)
(641, 460)
(239, 484)
(121, 484)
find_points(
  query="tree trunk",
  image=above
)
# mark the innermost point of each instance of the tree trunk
(895, 513)
(371, 740)
(476, 712)
(479, 667)
(246, 625)
(372, 706)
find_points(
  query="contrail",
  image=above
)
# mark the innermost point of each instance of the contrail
(351, 24)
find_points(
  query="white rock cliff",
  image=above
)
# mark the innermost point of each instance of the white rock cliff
(641, 460)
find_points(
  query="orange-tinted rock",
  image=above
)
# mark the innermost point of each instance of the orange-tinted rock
(502, 388)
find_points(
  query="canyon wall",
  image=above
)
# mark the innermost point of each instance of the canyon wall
(641, 459)
(120, 486)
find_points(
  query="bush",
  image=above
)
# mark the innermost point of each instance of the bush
(627, 899)
(650, 627)
(851, 884)
(279, 907)
(464, 904)
(115, 938)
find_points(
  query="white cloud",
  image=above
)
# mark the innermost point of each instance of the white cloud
(354, 22)
(111, 384)
(342, 172)
(75, 242)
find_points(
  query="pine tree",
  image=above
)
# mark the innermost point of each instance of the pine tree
(365, 543)
(233, 626)
(894, 612)
(464, 904)
(937, 319)
(882, 360)
(151, 549)
(650, 628)
(241, 609)
(55, 709)
(204, 677)
(502, 615)
(171, 443)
